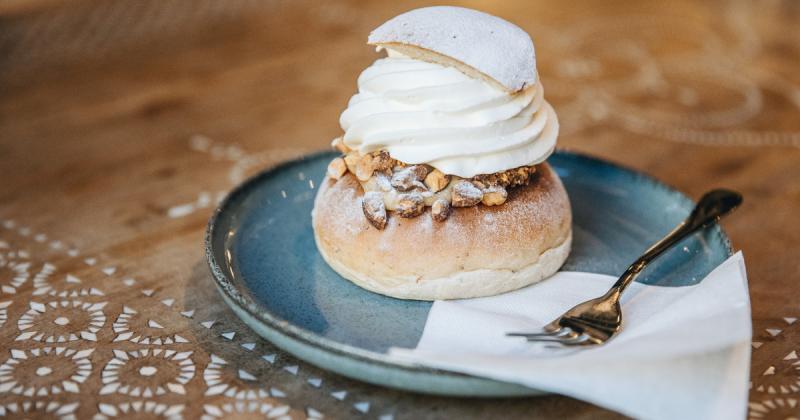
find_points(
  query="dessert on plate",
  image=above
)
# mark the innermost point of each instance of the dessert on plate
(443, 190)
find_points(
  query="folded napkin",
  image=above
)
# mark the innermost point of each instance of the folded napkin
(683, 352)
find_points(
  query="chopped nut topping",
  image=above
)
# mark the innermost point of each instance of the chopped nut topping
(465, 194)
(374, 209)
(440, 209)
(436, 180)
(410, 205)
(337, 168)
(364, 168)
(509, 178)
(339, 145)
(382, 162)
(422, 171)
(409, 177)
(383, 182)
(494, 196)
(408, 189)
(351, 160)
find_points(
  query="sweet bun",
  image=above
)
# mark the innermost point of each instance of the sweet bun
(477, 251)
(478, 44)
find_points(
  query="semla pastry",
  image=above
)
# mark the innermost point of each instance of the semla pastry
(442, 190)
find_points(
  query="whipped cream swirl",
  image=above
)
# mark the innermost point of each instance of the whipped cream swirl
(428, 113)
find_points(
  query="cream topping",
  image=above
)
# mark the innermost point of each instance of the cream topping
(426, 113)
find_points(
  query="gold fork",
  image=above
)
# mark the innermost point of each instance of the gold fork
(597, 320)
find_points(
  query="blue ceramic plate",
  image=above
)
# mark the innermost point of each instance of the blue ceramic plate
(260, 247)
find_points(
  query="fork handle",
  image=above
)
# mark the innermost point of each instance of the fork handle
(711, 207)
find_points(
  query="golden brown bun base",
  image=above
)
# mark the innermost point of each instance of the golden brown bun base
(477, 251)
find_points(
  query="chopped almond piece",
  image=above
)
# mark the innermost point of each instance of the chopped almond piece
(337, 168)
(382, 162)
(339, 145)
(494, 196)
(351, 160)
(410, 205)
(364, 168)
(409, 177)
(465, 194)
(436, 180)
(374, 209)
(440, 209)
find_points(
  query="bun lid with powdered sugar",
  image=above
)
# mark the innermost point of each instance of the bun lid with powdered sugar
(476, 43)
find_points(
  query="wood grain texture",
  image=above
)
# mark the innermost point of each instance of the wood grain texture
(122, 122)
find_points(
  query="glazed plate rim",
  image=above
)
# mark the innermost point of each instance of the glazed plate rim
(244, 306)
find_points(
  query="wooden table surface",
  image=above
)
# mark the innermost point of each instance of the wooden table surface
(123, 122)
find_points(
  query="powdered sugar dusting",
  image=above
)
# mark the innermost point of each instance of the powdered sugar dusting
(510, 236)
(493, 46)
(350, 212)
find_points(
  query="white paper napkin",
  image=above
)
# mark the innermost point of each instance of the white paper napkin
(684, 352)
